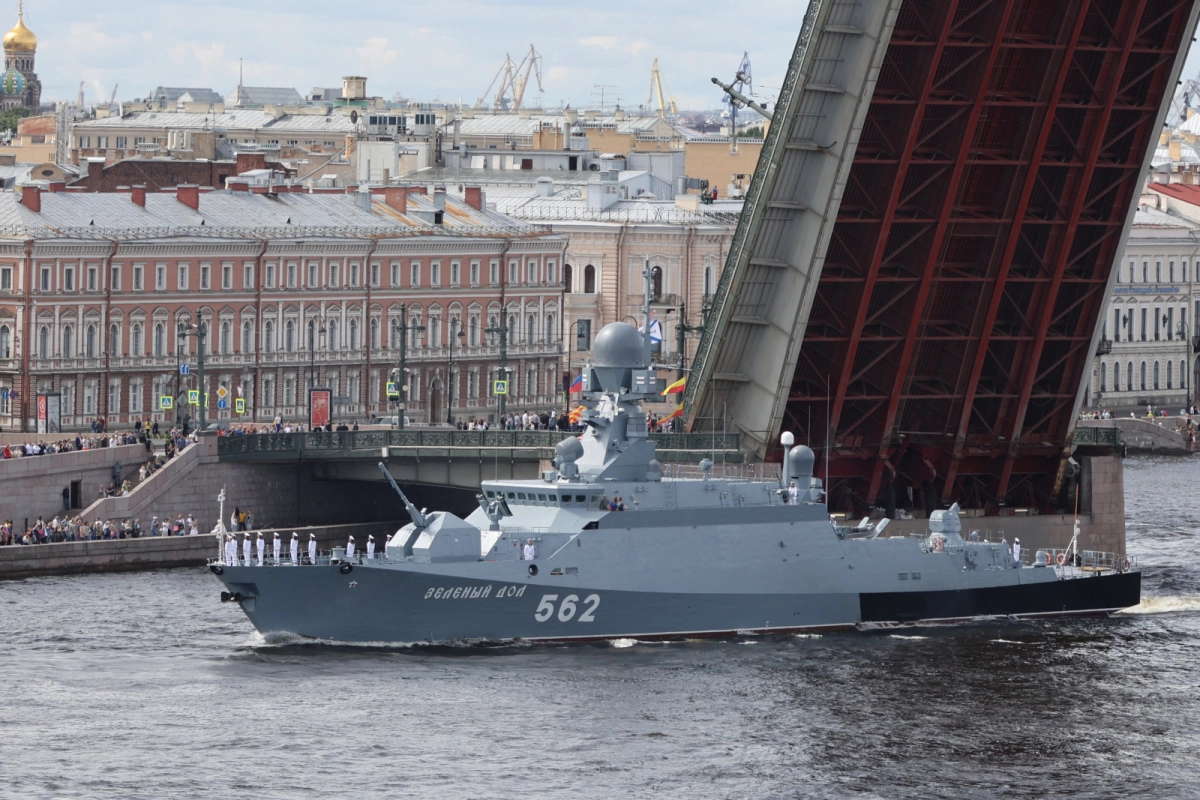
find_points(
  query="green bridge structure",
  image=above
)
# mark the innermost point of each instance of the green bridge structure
(450, 458)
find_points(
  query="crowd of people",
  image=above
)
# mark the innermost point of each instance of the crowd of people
(65, 528)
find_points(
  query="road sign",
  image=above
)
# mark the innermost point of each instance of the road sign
(222, 404)
(499, 387)
(239, 406)
(166, 402)
(184, 369)
(193, 397)
(392, 391)
(222, 393)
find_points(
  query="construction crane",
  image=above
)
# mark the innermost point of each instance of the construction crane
(666, 102)
(513, 78)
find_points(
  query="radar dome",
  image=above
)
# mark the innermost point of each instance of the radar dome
(569, 450)
(619, 345)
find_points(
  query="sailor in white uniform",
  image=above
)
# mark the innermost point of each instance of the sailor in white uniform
(793, 495)
(350, 547)
(276, 544)
(530, 551)
(370, 547)
(260, 544)
(295, 546)
(1016, 549)
(246, 549)
(230, 550)
(312, 548)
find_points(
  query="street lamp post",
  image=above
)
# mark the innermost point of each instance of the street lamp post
(577, 328)
(450, 371)
(403, 328)
(502, 331)
(682, 329)
(200, 331)
(316, 325)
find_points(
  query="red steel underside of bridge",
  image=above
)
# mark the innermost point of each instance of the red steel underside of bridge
(1002, 149)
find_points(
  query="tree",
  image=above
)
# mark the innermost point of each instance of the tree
(9, 118)
(755, 132)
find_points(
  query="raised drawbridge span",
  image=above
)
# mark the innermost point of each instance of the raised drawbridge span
(930, 236)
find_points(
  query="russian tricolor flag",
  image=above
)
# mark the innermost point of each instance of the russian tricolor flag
(577, 384)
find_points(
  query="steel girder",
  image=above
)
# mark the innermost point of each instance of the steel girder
(989, 197)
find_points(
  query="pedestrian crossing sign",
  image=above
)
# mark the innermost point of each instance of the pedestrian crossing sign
(239, 405)
(193, 397)
(499, 387)
(166, 402)
(392, 391)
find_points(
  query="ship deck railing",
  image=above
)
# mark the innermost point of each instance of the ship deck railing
(1080, 563)
(733, 472)
(324, 559)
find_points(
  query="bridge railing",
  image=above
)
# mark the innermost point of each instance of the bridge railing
(1089, 435)
(332, 441)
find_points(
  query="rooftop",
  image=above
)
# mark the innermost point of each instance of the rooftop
(230, 119)
(226, 214)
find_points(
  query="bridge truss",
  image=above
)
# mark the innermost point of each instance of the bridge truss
(930, 236)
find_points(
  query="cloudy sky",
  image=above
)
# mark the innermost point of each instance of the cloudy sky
(428, 50)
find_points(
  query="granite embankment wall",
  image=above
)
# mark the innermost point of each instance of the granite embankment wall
(32, 485)
(1139, 435)
(277, 494)
(161, 552)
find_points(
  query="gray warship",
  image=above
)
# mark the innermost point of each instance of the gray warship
(687, 557)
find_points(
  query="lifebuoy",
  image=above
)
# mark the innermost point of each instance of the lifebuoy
(345, 568)
(217, 569)
(1060, 559)
(1125, 564)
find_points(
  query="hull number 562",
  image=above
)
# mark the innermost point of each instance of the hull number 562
(568, 608)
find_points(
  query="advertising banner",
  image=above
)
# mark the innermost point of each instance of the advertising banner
(320, 404)
(49, 413)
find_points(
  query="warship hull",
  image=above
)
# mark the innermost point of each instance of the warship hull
(387, 605)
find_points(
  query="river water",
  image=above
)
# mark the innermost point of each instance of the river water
(143, 685)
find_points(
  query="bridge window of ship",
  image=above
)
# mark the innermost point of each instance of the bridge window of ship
(581, 499)
(541, 498)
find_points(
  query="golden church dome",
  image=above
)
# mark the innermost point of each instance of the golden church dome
(20, 38)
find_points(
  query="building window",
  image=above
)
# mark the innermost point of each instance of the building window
(354, 274)
(205, 271)
(5, 342)
(1103, 377)
(135, 340)
(531, 272)
(435, 273)
(567, 275)
(375, 274)
(1169, 365)
(291, 276)
(1145, 272)
(474, 335)
(289, 391)
(1170, 271)
(289, 337)
(414, 275)
(395, 275)
(474, 273)
(116, 278)
(122, 142)
(333, 274)
(589, 279)
(513, 269)
(530, 329)
(312, 275)
(550, 273)
(183, 277)
(374, 342)
(226, 343)
(247, 276)
(90, 342)
(1158, 272)
(160, 346)
(1155, 374)
(353, 334)
(1143, 332)
(44, 342)
(455, 267)
(227, 276)
(160, 277)
(269, 337)
(114, 340)
(247, 337)
(494, 273)
(268, 391)
(45, 283)
(135, 396)
(331, 337)
(1143, 371)
(6, 281)
(548, 334)
(656, 283)
(68, 279)
(1117, 376)
(67, 342)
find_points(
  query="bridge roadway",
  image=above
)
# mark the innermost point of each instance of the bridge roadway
(451, 458)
